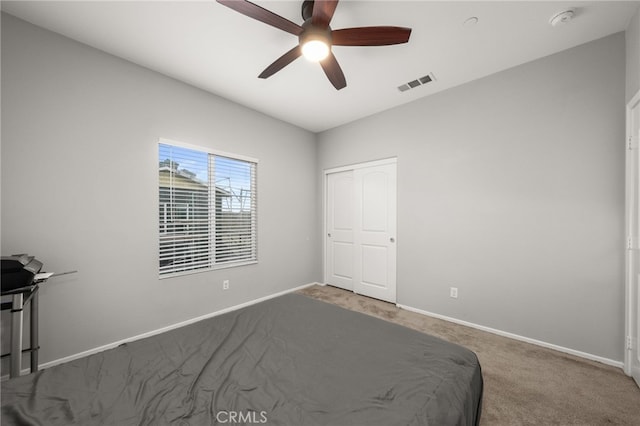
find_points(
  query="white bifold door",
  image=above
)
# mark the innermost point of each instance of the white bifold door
(361, 229)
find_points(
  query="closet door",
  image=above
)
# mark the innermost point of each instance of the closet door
(375, 232)
(361, 229)
(339, 220)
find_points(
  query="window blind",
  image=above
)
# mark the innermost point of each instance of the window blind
(235, 210)
(207, 210)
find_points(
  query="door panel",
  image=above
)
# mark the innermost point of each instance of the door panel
(339, 241)
(375, 271)
(374, 201)
(375, 232)
(343, 260)
(342, 201)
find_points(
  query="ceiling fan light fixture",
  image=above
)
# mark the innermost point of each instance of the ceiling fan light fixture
(315, 42)
(315, 50)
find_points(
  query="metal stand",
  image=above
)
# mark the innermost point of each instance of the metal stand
(20, 297)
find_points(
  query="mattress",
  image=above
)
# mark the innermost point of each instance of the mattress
(291, 360)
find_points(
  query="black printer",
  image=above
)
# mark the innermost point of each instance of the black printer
(18, 271)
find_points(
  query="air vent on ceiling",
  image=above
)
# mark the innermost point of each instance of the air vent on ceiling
(416, 83)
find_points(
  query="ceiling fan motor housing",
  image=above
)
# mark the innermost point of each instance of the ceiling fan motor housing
(307, 9)
(312, 32)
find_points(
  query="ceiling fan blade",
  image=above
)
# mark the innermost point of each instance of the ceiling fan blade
(333, 71)
(281, 62)
(263, 15)
(370, 36)
(323, 12)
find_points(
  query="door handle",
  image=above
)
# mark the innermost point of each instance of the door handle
(329, 235)
(393, 240)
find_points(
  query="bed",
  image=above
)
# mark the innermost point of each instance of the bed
(290, 360)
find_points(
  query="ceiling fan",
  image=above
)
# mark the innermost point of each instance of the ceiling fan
(315, 36)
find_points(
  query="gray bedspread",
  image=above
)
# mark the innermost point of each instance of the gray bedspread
(291, 360)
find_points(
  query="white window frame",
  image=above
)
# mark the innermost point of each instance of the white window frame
(212, 234)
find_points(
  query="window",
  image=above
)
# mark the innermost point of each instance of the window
(207, 210)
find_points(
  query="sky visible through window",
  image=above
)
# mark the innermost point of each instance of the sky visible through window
(231, 175)
(187, 159)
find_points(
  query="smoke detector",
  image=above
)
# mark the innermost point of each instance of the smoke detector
(562, 17)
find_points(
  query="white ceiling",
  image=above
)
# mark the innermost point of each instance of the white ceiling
(210, 46)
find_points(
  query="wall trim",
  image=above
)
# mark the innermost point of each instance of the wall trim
(362, 165)
(160, 330)
(108, 346)
(631, 204)
(591, 357)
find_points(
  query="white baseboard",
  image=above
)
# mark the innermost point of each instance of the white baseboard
(580, 354)
(162, 330)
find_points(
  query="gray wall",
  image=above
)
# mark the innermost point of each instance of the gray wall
(511, 188)
(80, 190)
(632, 36)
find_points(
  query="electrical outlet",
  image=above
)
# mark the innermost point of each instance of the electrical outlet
(453, 292)
(225, 285)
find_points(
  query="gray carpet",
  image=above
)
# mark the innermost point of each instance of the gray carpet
(524, 384)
